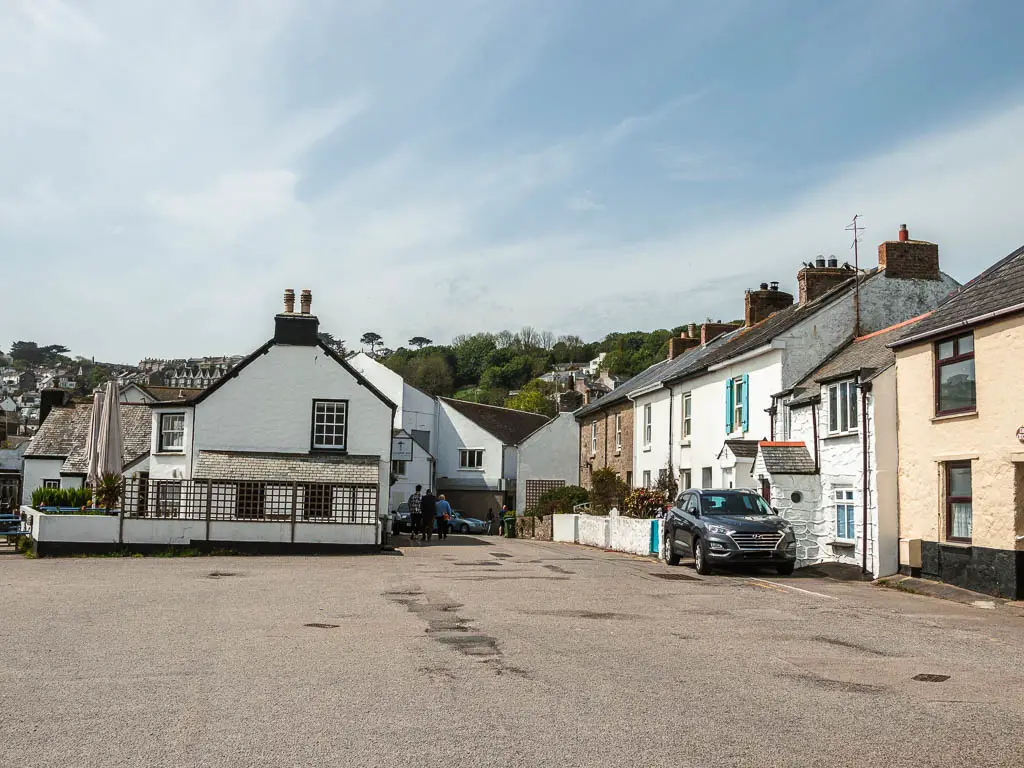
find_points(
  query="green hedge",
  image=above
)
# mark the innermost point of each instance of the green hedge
(61, 497)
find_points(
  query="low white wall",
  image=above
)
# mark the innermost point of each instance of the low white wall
(627, 534)
(335, 533)
(86, 529)
(232, 531)
(148, 531)
(593, 531)
(565, 528)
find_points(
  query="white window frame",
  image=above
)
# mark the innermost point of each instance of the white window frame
(844, 503)
(685, 479)
(787, 420)
(399, 467)
(593, 438)
(334, 433)
(843, 412)
(618, 432)
(737, 404)
(51, 483)
(163, 444)
(471, 459)
(648, 425)
(647, 478)
(687, 411)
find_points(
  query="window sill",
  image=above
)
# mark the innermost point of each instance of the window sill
(618, 452)
(958, 543)
(471, 469)
(955, 416)
(170, 453)
(331, 451)
(839, 435)
(846, 543)
(684, 443)
(647, 449)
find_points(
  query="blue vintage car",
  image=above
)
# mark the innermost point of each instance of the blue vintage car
(462, 524)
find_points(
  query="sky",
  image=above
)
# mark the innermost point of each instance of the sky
(431, 169)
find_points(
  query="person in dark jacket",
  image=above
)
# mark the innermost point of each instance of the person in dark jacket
(428, 508)
(490, 521)
(415, 521)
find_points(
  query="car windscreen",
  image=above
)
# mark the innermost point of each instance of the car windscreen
(733, 504)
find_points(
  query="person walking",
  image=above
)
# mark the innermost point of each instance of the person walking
(428, 505)
(415, 524)
(503, 514)
(490, 521)
(443, 513)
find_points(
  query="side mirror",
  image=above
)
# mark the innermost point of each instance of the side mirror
(775, 510)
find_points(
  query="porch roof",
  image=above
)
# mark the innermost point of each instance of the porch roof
(786, 458)
(286, 467)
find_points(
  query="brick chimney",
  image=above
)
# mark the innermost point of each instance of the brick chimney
(297, 329)
(711, 331)
(677, 345)
(909, 259)
(764, 302)
(817, 280)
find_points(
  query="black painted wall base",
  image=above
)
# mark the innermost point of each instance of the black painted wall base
(996, 572)
(69, 548)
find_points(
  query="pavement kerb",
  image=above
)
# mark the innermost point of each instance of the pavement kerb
(928, 588)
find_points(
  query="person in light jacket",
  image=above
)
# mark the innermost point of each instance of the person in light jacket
(443, 513)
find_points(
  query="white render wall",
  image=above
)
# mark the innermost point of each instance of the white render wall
(550, 453)
(35, 471)
(417, 472)
(268, 408)
(456, 432)
(656, 456)
(708, 414)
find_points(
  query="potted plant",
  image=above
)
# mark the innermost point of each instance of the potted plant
(108, 491)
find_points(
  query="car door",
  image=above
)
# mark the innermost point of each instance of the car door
(673, 519)
(688, 522)
(683, 540)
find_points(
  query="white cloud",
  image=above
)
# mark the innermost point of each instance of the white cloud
(180, 186)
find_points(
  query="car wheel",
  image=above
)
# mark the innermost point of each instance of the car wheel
(463, 529)
(700, 557)
(785, 569)
(671, 556)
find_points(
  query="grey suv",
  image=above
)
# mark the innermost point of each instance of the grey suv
(733, 527)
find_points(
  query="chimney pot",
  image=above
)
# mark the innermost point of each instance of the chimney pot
(306, 300)
(833, 263)
(289, 300)
(904, 234)
(774, 285)
(764, 286)
(691, 331)
(819, 262)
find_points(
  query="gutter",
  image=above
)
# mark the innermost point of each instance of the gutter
(962, 324)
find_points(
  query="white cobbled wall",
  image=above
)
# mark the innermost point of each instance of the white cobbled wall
(621, 534)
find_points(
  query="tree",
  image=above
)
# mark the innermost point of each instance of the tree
(371, 339)
(547, 339)
(27, 352)
(504, 339)
(607, 490)
(559, 501)
(338, 345)
(420, 341)
(431, 374)
(528, 337)
(471, 354)
(531, 400)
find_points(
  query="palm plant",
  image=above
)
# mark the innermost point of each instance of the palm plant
(108, 491)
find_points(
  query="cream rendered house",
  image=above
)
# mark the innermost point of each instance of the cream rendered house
(961, 436)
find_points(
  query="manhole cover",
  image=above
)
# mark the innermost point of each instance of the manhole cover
(675, 577)
(931, 678)
(317, 625)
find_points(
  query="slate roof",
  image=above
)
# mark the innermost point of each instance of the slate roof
(866, 356)
(999, 287)
(508, 425)
(63, 435)
(787, 458)
(286, 467)
(166, 394)
(743, 449)
(748, 339)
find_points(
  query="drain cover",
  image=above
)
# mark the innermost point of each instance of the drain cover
(675, 577)
(931, 678)
(322, 626)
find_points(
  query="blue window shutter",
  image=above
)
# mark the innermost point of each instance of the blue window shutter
(746, 402)
(728, 406)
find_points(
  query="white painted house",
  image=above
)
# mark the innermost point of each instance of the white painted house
(477, 455)
(833, 471)
(711, 406)
(292, 446)
(549, 457)
(414, 442)
(55, 458)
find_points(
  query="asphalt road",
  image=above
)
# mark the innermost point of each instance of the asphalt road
(486, 652)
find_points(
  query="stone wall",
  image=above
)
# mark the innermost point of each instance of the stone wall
(537, 528)
(607, 454)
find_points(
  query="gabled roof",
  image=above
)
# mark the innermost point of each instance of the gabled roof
(865, 356)
(165, 394)
(262, 350)
(786, 458)
(64, 432)
(752, 338)
(997, 291)
(741, 449)
(507, 425)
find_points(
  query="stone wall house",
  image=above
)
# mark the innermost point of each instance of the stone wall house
(606, 438)
(961, 433)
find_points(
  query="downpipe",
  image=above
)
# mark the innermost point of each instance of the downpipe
(864, 389)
